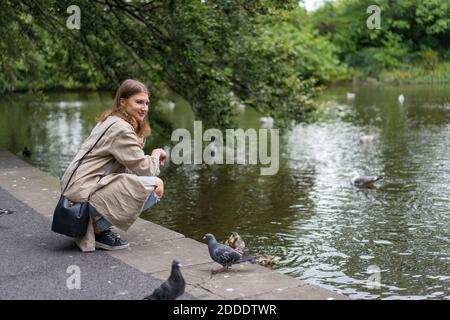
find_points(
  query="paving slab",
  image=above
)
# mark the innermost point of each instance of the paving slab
(38, 264)
(154, 257)
(304, 292)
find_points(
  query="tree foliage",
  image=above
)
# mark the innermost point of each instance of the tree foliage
(407, 28)
(269, 53)
(193, 47)
(317, 56)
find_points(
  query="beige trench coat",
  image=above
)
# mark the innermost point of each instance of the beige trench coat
(108, 176)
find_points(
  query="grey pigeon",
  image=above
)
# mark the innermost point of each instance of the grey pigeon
(365, 180)
(223, 254)
(172, 288)
(5, 211)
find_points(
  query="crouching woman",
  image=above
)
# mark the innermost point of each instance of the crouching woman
(117, 178)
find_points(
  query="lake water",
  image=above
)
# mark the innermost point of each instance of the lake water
(387, 242)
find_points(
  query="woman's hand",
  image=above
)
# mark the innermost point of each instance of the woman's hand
(160, 154)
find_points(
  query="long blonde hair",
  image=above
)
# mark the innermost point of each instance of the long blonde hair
(128, 88)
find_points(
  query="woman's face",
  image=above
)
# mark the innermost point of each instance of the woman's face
(136, 105)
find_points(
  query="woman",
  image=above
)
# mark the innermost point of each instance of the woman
(116, 177)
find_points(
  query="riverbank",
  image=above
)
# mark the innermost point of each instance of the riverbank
(408, 74)
(35, 260)
(417, 73)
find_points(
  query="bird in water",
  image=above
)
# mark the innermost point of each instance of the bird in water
(266, 122)
(265, 260)
(363, 181)
(241, 106)
(26, 152)
(5, 211)
(171, 105)
(172, 288)
(223, 254)
(350, 96)
(401, 98)
(366, 138)
(236, 242)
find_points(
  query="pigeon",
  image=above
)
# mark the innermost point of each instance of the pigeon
(5, 211)
(26, 152)
(223, 254)
(172, 288)
(365, 180)
(401, 98)
(350, 96)
(235, 241)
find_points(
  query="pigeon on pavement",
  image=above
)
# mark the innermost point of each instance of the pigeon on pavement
(172, 288)
(223, 254)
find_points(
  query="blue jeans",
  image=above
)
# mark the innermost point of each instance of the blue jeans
(104, 224)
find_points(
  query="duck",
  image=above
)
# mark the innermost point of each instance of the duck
(265, 260)
(26, 152)
(351, 96)
(235, 241)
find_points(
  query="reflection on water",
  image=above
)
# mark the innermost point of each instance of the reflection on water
(323, 229)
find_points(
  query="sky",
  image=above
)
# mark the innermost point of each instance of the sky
(312, 4)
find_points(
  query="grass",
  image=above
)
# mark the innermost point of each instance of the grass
(416, 74)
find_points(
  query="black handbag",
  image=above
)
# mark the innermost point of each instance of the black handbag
(69, 218)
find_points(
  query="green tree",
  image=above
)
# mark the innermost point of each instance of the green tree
(193, 47)
(317, 56)
(407, 28)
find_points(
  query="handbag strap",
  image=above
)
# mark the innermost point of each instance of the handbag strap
(81, 159)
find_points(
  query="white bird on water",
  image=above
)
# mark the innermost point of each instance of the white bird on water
(171, 105)
(365, 138)
(240, 106)
(401, 98)
(266, 121)
(351, 96)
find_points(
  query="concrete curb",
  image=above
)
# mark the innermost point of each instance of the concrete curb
(148, 240)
